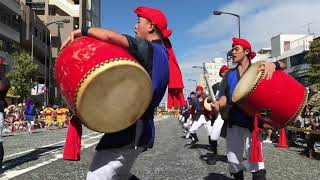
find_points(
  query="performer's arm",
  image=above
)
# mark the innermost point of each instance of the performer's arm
(270, 67)
(98, 33)
(139, 48)
(221, 96)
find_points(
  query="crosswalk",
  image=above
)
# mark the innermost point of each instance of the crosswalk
(14, 164)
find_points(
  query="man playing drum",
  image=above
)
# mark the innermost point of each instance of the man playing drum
(240, 126)
(116, 152)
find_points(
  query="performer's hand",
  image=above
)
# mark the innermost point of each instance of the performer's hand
(71, 37)
(268, 69)
(215, 105)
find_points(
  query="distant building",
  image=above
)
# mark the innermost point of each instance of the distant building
(213, 71)
(289, 49)
(60, 17)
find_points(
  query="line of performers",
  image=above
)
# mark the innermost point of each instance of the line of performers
(59, 115)
(217, 123)
(196, 116)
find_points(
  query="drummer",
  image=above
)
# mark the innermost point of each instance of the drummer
(240, 126)
(116, 152)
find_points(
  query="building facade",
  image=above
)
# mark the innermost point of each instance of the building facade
(213, 71)
(9, 29)
(60, 17)
(290, 49)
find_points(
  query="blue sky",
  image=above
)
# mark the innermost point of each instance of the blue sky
(118, 15)
(199, 36)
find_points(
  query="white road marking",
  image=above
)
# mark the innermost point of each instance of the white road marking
(48, 145)
(56, 155)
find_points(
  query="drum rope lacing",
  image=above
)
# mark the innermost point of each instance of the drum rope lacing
(301, 107)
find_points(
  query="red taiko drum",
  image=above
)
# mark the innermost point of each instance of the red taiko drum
(102, 84)
(283, 96)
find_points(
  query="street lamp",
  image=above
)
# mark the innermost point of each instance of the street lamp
(217, 13)
(194, 81)
(47, 93)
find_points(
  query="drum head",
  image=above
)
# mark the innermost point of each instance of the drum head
(113, 95)
(207, 104)
(247, 83)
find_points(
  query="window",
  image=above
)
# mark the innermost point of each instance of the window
(286, 45)
(35, 32)
(297, 59)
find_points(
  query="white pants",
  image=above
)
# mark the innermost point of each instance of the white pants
(239, 140)
(197, 124)
(30, 124)
(188, 124)
(113, 164)
(216, 128)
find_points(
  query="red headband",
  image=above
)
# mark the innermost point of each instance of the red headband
(245, 44)
(156, 17)
(199, 88)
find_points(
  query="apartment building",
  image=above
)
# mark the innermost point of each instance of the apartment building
(60, 17)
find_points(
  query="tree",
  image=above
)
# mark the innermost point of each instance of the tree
(313, 58)
(22, 74)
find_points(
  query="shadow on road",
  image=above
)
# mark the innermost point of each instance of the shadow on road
(221, 158)
(200, 146)
(32, 156)
(215, 176)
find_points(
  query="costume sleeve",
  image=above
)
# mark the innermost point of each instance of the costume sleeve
(222, 88)
(141, 50)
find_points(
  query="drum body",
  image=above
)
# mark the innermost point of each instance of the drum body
(282, 96)
(102, 84)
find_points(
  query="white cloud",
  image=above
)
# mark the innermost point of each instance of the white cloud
(260, 21)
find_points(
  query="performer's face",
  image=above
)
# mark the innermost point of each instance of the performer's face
(143, 27)
(198, 93)
(239, 54)
(223, 74)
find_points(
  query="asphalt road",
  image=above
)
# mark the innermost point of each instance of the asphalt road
(38, 156)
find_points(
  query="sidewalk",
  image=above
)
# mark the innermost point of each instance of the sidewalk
(22, 132)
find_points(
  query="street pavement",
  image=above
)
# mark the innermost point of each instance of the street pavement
(38, 156)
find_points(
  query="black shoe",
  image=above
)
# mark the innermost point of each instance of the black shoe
(133, 177)
(259, 175)
(194, 142)
(238, 175)
(195, 138)
(211, 159)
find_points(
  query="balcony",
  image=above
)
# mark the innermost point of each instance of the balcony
(296, 47)
(11, 5)
(68, 7)
(9, 32)
(302, 42)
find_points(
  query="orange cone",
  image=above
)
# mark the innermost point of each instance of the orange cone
(282, 142)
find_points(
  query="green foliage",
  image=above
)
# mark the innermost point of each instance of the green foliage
(22, 74)
(313, 58)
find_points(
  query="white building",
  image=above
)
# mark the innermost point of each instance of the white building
(289, 49)
(213, 71)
